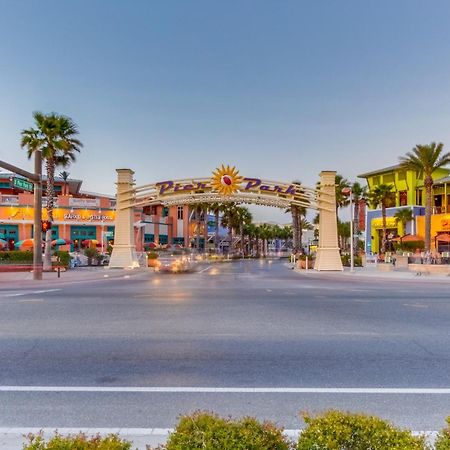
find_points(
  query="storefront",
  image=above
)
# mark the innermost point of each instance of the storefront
(440, 231)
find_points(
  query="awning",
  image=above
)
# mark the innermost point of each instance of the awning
(408, 238)
(443, 237)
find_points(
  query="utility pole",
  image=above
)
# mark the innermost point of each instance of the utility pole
(36, 177)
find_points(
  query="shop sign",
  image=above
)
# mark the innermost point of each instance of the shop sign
(84, 202)
(391, 222)
(445, 224)
(87, 218)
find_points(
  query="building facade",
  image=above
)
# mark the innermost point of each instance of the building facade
(408, 192)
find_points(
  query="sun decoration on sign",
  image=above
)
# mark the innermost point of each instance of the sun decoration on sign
(226, 180)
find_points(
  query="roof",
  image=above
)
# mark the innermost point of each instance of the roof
(96, 194)
(74, 185)
(442, 180)
(379, 171)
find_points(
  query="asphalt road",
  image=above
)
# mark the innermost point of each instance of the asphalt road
(232, 325)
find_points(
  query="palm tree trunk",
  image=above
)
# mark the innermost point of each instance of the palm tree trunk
(216, 235)
(47, 263)
(355, 226)
(300, 233)
(294, 228)
(384, 240)
(241, 232)
(428, 190)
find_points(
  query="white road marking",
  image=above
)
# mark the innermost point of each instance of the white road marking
(205, 269)
(219, 390)
(31, 300)
(415, 305)
(20, 294)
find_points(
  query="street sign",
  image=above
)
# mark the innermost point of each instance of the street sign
(23, 184)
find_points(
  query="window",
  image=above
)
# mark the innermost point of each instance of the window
(403, 198)
(376, 180)
(165, 211)
(180, 212)
(388, 178)
(418, 196)
(402, 176)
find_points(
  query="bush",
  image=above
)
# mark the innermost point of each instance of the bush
(152, 255)
(335, 430)
(208, 431)
(16, 256)
(357, 261)
(443, 439)
(90, 253)
(64, 258)
(76, 442)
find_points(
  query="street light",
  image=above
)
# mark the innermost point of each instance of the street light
(348, 191)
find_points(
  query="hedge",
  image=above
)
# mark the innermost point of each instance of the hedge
(335, 430)
(207, 431)
(16, 256)
(443, 439)
(76, 442)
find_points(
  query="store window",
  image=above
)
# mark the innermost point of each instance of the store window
(418, 196)
(180, 212)
(403, 198)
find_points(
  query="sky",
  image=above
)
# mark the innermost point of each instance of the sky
(282, 89)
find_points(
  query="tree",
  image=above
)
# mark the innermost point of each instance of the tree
(380, 196)
(342, 199)
(297, 213)
(404, 216)
(265, 233)
(359, 196)
(229, 221)
(425, 159)
(243, 217)
(56, 136)
(216, 208)
(200, 210)
(65, 176)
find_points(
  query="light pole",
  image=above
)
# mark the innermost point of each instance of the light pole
(36, 177)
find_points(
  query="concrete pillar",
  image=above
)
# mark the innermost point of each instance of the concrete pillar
(124, 250)
(328, 256)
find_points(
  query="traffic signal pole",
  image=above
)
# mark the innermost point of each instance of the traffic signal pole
(36, 177)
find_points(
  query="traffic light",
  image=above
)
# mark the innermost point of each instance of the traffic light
(46, 225)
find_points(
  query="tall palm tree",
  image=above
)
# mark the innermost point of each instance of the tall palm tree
(404, 216)
(229, 221)
(200, 211)
(265, 233)
(216, 208)
(342, 199)
(243, 217)
(56, 136)
(380, 196)
(425, 159)
(359, 194)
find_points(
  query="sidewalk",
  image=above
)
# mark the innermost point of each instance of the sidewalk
(371, 273)
(76, 275)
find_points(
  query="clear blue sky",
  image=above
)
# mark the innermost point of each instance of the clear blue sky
(282, 89)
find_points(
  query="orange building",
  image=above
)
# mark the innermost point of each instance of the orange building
(82, 218)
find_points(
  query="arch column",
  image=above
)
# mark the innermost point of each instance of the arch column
(124, 249)
(328, 256)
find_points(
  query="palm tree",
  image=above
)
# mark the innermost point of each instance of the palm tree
(200, 210)
(359, 194)
(243, 217)
(56, 136)
(379, 196)
(265, 233)
(216, 208)
(342, 199)
(404, 216)
(65, 176)
(425, 159)
(229, 221)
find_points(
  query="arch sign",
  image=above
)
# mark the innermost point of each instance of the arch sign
(225, 185)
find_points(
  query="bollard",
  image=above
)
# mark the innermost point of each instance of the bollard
(59, 271)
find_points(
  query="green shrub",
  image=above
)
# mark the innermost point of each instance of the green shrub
(76, 442)
(64, 258)
(443, 439)
(152, 255)
(16, 256)
(208, 431)
(336, 430)
(357, 261)
(90, 253)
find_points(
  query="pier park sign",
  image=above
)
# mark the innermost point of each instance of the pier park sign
(225, 185)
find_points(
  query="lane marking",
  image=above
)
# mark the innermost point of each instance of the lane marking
(219, 390)
(20, 294)
(205, 269)
(415, 305)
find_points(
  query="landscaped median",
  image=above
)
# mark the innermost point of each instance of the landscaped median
(332, 430)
